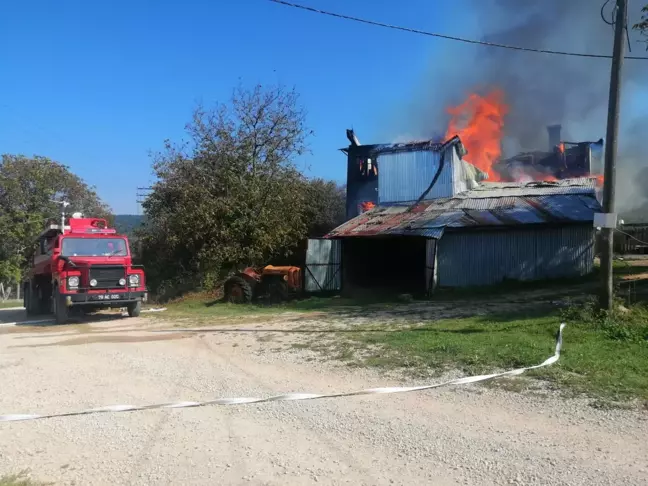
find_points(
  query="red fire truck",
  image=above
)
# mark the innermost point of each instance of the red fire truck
(82, 264)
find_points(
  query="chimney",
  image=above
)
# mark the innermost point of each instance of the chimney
(554, 136)
(352, 138)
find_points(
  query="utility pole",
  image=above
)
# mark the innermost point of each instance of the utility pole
(607, 229)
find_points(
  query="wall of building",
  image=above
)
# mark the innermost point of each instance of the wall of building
(360, 188)
(358, 193)
(404, 176)
(473, 258)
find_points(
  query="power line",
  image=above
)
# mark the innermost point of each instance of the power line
(448, 37)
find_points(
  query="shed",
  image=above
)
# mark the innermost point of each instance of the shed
(483, 236)
(434, 220)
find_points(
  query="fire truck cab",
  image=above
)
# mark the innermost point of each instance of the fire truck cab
(81, 263)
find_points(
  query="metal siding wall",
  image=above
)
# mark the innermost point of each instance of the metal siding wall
(323, 265)
(404, 176)
(489, 257)
(458, 172)
(430, 264)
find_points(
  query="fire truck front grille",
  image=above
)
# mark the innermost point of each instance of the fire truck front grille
(107, 276)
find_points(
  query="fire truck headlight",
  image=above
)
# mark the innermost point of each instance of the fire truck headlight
(133, 280)
(93, 283)
(122, 281)
(73, 282)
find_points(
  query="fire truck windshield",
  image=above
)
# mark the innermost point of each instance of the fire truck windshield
(93, 247)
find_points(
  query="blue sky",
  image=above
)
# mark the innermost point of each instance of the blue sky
(98, 85)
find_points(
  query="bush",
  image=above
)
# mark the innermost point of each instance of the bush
(622, 324)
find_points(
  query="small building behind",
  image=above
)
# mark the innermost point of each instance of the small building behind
(562, 160)
(435, 221)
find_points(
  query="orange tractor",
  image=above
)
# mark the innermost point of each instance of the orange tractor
(272, 284)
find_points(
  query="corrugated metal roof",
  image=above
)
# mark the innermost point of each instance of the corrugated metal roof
(507, 205)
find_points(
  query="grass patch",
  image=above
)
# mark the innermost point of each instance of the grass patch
(10, 303)
(629, 267)
(21, 479)
(200, 306)
(512, 287)
(604, 357)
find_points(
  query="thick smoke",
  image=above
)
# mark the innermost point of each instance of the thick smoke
(544, 89)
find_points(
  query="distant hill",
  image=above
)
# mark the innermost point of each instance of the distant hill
(126, 224)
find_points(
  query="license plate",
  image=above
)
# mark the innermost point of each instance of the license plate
(109, 296)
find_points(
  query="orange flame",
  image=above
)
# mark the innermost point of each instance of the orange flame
(367, 205)
(599, 180)
(479, 123)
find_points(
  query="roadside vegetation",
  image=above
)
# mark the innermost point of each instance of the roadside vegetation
(604, 356)
(20, 479)
(10, 303)
(206, 308)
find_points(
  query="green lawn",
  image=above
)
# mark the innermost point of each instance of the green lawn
(199, 307)
(11, 303)
(605, 357)
(600, 359)
(20, 479)
(630, 267)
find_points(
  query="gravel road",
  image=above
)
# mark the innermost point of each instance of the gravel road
(468, 435)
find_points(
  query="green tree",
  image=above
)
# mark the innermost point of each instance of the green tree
(28, 189)
(642, 26)
(326, 207)
(232, 195)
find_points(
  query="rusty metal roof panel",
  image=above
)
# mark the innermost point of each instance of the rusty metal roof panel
(505, 202)
(465, 212)
(566, 207)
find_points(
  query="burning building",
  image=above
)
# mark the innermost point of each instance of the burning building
(422, 216)
(563, 160)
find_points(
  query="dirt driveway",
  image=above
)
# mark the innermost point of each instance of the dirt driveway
(468, 435)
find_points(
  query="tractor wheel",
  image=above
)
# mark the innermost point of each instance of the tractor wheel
(238, 291)
(278, 291)
(61, 311)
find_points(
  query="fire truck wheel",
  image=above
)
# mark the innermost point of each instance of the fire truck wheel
(28, 300)
(134, 309)
(60, 309)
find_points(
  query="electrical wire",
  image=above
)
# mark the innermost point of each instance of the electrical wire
(613, 13)
(449, 37)
(630, 236)
(627, 21)
(613, 21)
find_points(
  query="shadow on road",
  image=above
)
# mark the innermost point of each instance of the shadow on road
(20, 318)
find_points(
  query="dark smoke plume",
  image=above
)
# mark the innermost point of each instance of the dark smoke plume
(543, 89)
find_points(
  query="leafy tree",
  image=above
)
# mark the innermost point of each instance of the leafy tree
(232, 195)
(643, 25)
(325, 209)
(326, 206)
(28, 189)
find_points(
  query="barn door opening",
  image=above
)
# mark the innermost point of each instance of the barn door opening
(323, 265)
